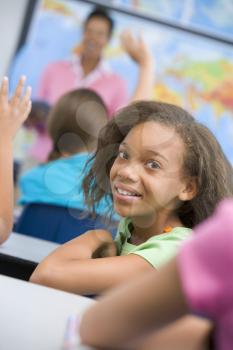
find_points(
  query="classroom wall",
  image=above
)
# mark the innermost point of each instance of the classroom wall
(11, 19)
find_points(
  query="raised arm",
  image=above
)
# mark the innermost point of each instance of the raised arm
(13, 113)
(139, 52)
(88, 265)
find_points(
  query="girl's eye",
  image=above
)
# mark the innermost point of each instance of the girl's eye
(152, 164)
(123, 155)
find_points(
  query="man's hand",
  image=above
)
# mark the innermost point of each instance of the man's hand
(139, 52)
(136, 48)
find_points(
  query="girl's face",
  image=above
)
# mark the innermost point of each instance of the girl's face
(147, 175)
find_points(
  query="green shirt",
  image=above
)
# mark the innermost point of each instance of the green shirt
(157, 250)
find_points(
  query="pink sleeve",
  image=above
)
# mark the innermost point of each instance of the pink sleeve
(43, 87)
(206, 261)
(121, 98)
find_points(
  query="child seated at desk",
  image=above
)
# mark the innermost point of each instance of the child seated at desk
(164, 172)
(73, 125)
(13, 113)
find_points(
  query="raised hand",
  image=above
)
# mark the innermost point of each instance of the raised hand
(136, 48)
(139, 51)
(14, 111)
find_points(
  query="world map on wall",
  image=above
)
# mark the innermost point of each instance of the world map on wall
(191, 71)
(213, 16)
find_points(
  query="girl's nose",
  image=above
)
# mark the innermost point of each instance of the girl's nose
(129, 172)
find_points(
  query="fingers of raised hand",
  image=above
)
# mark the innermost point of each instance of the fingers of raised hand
(25, 103)
(14, 112)
(4, 90)
(127, 40)
(16, 98)
(20, 102)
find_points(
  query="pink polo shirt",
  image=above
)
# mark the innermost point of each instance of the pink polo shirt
(206, 269)
(63, 76)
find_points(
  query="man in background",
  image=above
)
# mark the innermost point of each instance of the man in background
(87, 68)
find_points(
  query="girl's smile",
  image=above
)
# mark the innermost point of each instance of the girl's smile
(125, 193)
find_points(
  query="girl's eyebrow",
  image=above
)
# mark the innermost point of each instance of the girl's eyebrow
(149, 150)
(157, 154)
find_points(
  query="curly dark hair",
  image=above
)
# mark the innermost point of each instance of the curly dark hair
(203, 158)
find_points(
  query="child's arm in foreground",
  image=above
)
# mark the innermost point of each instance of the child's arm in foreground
(88, 265)
(134, 310)
(120, 317)
(158, 299)
(12, 114)
(139, 52)
(187, 333)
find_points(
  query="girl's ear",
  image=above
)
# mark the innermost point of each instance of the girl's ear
(190, 189)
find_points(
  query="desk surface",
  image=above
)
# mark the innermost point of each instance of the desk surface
(34, 317)
(28, 248)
